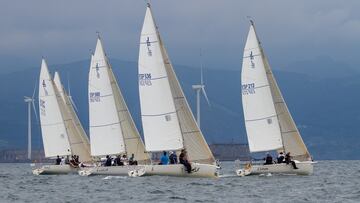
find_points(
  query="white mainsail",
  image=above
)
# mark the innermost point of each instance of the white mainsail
(106, 137)
(262, 126)
(54, 134)
(193, 140)
(262, 98)
(79, 142)
(159, 118)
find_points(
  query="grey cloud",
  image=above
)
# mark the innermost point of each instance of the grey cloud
(290, 30)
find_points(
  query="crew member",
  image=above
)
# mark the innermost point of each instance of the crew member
(108, 160)
(288, 160)
(164, 159)
(268, 159)
(132, 160)
(58, 160)
(173, 158)
(183, 159)
(280, 158)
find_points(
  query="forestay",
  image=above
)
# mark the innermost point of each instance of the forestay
(262, 126)
(54, 135)
(159, 118)
(106, 137)
(79, 142)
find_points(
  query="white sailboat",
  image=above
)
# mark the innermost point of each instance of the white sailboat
(167, 120)
(112, 129)
(61, 129)
(268, 122)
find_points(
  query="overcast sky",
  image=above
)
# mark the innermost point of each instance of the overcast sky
(290, 30)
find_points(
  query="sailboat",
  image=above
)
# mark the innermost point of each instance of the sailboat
(61, 129)
(268, 122)
(167, 120)
(112, 129)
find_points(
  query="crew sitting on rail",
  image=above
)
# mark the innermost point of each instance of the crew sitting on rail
(124, 159)
(62, 161)
(280, 158)
(108, 161)
(183, 159)
(118, 162)
(132, 160)
(58, 160)
(268, 159)
(76, 159)
(288, 160)
(164, 159)
(74, 162)
(173, 158)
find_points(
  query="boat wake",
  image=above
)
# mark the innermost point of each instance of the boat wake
(114, 177)
(227, 175)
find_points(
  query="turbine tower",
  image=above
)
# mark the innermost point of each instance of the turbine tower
(30, 101)
(200, 89)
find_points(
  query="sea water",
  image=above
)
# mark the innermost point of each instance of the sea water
(332, 181)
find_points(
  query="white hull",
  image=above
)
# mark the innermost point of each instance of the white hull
(198, 170)
(304, 168)
(54, 170)
(108, 170)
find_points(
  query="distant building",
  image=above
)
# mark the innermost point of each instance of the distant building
(20, 156)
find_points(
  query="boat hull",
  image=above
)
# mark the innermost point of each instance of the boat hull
(54, 170)
(304, 168)
(108, 170)
(199, 170)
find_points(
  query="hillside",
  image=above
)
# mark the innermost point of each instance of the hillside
(325, 109)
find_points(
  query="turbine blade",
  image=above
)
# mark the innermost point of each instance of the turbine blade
(36, 116)
(204, 93)
(33, 95)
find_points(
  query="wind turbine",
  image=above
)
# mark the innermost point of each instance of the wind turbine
(30, 101)
(200, 89)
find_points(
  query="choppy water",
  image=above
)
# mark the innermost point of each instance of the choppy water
(333, 181)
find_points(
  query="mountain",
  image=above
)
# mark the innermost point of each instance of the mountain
(325, 108)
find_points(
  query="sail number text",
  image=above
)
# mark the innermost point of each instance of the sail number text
(145, 79)
(248, 88)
